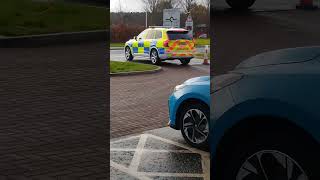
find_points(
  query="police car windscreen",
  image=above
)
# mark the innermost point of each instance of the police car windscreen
(175, 35)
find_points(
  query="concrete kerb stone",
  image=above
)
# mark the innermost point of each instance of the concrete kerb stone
(54, 39)
(136, 72)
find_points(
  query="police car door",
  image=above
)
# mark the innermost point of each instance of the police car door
(138, 44)
(147, 42)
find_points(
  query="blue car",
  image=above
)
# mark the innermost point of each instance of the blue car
(189, 110)
(265, 118)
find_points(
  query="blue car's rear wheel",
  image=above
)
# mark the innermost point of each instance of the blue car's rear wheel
(194, 125)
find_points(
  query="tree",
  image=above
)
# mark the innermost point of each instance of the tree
(199, 14)
(150, 5)
(207, 4)
(165, 4)
(187, 5)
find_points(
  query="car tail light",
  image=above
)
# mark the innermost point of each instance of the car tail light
(166, 43)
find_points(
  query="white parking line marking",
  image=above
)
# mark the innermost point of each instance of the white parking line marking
(126, 170)
(155, 174)
(137, 155)
(179, 144)
(133, 167)
(125, 139)
(153, 150)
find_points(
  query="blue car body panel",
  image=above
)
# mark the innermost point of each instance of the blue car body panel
(195, 88)
(288, 89)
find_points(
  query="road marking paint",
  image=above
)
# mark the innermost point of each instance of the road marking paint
(170, 174)
(125, 139)
(133, 167)
(138, 153)
(154, 150)
(127, 171)
(179, 144)
(205, 162)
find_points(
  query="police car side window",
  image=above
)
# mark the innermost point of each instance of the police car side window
(150, 34)
(158, 35)
(142, 34)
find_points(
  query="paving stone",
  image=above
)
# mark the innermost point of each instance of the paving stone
(53, 103)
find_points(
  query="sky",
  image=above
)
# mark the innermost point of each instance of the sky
(128, 5)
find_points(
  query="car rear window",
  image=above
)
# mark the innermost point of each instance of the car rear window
(174, 35)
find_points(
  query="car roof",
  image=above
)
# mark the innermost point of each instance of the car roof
(282, 56)
(168, 29)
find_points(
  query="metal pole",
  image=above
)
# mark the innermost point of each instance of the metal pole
(146, 19)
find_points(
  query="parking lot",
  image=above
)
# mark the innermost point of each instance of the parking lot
(53, 112)
(157, 154)
(268, 26)
(140, 102)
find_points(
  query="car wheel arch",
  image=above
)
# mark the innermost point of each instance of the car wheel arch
(185, 103)
(247, 127)
(151, 49)
(127, 46)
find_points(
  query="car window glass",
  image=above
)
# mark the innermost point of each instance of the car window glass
(158, 35)
(174, 35)
(142, 34)
(150, 34)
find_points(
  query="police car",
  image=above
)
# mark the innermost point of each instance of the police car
(160, 43)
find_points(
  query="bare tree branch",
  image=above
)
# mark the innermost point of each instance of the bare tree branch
(150, 5)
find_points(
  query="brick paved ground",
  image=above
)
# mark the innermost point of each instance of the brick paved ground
(53, 121)
(140, 102)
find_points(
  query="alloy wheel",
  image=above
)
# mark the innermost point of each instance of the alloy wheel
(154, 57)
(271, 165)
(128, 53)
(195, 126)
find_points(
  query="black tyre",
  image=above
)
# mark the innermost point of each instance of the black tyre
(268, 155)
(185, 61)
(154, 57)
(194, 124)
(240, 4)
(128, 54)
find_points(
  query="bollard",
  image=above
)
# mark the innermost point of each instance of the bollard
(306, 4)
(206, 56)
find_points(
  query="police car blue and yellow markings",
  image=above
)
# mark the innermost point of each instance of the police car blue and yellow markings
(173, 48)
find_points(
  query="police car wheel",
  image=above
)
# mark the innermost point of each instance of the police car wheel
(128, 54)
(185, 61)
(154, 57)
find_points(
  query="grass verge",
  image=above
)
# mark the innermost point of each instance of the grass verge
(116, 44)
(29, 17)
(202, 42)
(119, 67)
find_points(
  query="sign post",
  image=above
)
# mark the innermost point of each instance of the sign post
(171, 18)
(189, 25)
